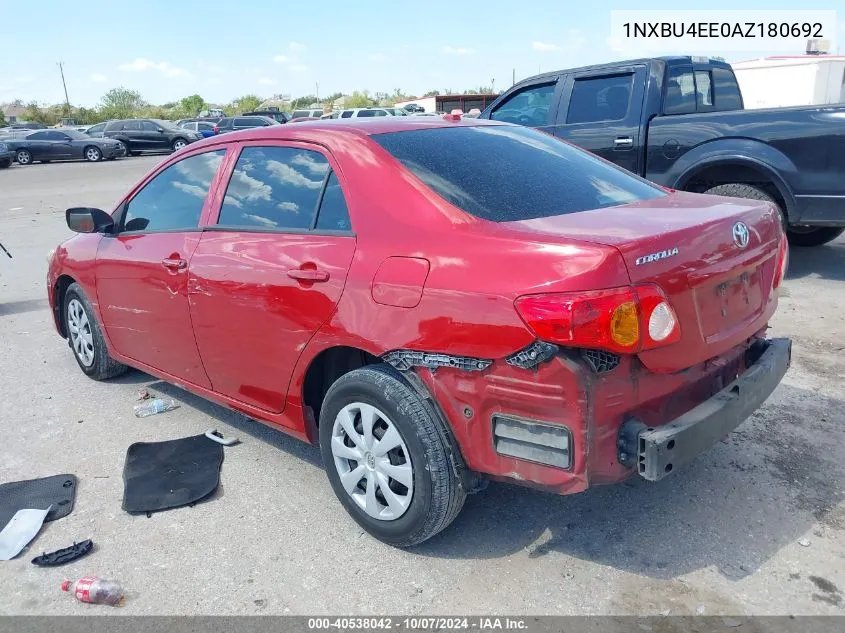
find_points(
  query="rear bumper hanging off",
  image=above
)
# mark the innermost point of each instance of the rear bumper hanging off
(661, 450)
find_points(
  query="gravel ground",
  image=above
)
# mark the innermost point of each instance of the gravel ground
(755, 526)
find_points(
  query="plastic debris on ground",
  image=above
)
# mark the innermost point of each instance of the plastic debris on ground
(64, 555)
(17, 534)
(154, 406)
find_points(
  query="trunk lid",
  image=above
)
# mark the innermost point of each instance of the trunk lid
(685, 243)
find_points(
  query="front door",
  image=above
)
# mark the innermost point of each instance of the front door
(602, 112)
(154, 136)
(270, 272)
(142, 270)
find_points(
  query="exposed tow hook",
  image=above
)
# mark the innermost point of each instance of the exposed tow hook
(627, 441)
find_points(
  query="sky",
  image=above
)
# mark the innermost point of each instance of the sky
(168, 50)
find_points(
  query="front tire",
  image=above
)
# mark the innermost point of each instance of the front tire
(178, 144)
(85, 337)
(386, 457)
(24, 157)
(93, 154)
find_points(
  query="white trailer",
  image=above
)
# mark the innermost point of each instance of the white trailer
(778, 82)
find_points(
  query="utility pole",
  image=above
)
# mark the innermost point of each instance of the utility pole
(493, 86)
(64, 85)
(513, 76)
(318, 91)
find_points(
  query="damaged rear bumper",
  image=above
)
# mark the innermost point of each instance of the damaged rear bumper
(658, 451)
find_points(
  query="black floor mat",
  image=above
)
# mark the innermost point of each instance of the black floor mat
(58, 491)
(163, 475)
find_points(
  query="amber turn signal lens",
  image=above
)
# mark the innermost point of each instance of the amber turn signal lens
(625, 325)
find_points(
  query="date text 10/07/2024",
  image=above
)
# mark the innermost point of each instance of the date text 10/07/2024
(418, 623)
(750, 30)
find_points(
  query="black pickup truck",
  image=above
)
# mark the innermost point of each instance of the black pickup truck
(679, 121)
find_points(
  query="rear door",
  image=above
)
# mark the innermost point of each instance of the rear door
(601, 111)
(39, 145)
(142, 270)
(269, 269)
(132, 131)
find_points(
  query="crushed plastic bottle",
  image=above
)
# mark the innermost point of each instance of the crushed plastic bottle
(151, 407)
(95, 590)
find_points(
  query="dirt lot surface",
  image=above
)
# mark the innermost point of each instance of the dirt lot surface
(755, 526)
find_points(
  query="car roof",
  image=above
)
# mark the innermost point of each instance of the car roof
(326, 129)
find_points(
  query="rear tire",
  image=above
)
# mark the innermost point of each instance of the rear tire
(797, 235)
(85, 337)
(436, 493)
(23, 157)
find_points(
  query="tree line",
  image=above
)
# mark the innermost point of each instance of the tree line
(123, 103)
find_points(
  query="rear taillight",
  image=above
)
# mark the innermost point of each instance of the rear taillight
(623, 320)
(216, 130)
(782, 262)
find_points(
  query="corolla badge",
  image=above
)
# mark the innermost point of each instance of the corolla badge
(740, 234)
(653, 257)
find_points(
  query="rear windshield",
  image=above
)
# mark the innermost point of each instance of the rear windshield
(509, 173)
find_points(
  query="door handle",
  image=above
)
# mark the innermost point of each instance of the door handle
(623, 141)
(174, 263)
(309, 275)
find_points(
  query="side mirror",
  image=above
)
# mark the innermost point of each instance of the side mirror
(161, 130)
(88, 220)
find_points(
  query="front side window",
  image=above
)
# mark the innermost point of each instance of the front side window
(274, 188)
(149, 126)
(346, 114)
(600, 99)
(96, 129)
(173, 199)
(530, 106)
(506, 173)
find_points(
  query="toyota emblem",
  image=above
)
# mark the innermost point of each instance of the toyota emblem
(740, 234)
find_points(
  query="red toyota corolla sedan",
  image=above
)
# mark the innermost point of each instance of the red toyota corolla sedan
(436, 303)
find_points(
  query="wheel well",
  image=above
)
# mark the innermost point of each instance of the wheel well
(726, 173)
(62, 284)
(326, 368)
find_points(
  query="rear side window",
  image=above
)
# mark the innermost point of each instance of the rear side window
(131, 125)
(504, 173)
(39, 136)
(530, 106)
(245, 122)
(274, 188)
(333, 214)
(600, 99)
(726, 90)
(300, 113)
(346, 114)
(680, 91)
(173, 200)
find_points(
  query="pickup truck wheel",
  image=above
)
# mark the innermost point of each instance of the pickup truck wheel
(85, 337)
(386, 458)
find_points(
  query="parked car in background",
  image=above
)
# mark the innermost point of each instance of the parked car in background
(354, 113)
(7, 156)
(301, 119)
(235, 123)
(205, 128)
(97, 129)
(27, 125)
(149, 135)
(66, 144)
(680, 122)
(330, 115)
(413, 107)
(276, 115)
(312, 113)
(306, 276)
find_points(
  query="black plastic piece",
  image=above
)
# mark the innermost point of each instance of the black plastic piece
(57, 493)
(536, 353)
(66, 555)
(627, 441)
(600, 361)
(403, 360)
